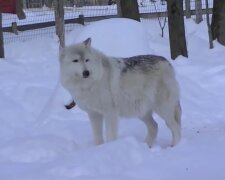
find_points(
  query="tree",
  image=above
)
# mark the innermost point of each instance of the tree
(47, 3)
(25, 4)
(128, 9)
(101, 2)
(79, 3)
(176, 28)
(218, 21)
(187, 9)
(198, 11)
(208, 25)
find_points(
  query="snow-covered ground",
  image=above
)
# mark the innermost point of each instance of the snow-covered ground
(41, 140)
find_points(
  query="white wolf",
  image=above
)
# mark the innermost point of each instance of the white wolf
(108, 88)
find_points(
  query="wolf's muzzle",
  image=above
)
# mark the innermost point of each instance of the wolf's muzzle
(86, 73)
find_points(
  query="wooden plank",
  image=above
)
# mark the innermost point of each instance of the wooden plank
(39, 25)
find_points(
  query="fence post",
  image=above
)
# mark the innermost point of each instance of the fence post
(2, 55)
(19, 10)
(81, 19)
(59, 21)
(198, 11)
(208, 24)
(14, 28)
(187, 9)
(119, 11)
(25, 3)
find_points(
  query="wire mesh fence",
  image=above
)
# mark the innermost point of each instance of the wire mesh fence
(40, 19)
(14, 29)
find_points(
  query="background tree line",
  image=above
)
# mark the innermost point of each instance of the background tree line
(175, 13)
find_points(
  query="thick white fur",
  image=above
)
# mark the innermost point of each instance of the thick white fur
(108, 93)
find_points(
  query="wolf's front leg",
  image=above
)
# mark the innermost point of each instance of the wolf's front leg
(111, 126)
(97, 126)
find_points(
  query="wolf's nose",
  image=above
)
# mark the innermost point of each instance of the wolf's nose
(86, 73)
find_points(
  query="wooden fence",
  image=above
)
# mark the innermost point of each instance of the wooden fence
(81, 20)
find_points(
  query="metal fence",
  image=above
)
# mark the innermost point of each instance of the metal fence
(40, 20)
(68, 3)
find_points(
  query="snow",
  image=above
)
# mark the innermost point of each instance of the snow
(41, 140)
(138, 44)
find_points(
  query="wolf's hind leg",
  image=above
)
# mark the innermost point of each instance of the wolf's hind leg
(172, 116)
(175, 130)
(152, 127)
(97, 126)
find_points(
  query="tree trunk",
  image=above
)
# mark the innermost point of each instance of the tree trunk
(72, 3)
(208, 25)
(79, 3)
(25, 4)
(176, 28)
(187, 9)
(198, 11)
(19, 9)
(119, 11)
(2, 55)
(48, 3)
(128, 9)
(218, 21)
(59, 21)
(101, 2)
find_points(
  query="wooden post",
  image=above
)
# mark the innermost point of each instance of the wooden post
(198, 11)
(59, 22)
(81, 19)
(2, 55)
(25, 3)
(208, 24)
(187, 9)
(19, 9)
(14, 28)
(119, 11)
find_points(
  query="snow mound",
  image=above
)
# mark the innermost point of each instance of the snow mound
(103, 160)
(128, 39)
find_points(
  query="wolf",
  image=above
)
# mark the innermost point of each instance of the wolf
(108, 88)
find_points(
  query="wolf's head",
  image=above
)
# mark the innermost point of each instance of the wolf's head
(81, 61)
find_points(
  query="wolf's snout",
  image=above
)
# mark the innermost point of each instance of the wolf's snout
(86, 73)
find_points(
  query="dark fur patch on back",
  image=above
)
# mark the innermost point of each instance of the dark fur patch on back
(141, 62)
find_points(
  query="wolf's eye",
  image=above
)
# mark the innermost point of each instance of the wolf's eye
(75, 60)
(87, 60)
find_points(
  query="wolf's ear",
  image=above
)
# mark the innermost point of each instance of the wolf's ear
(87, 42)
